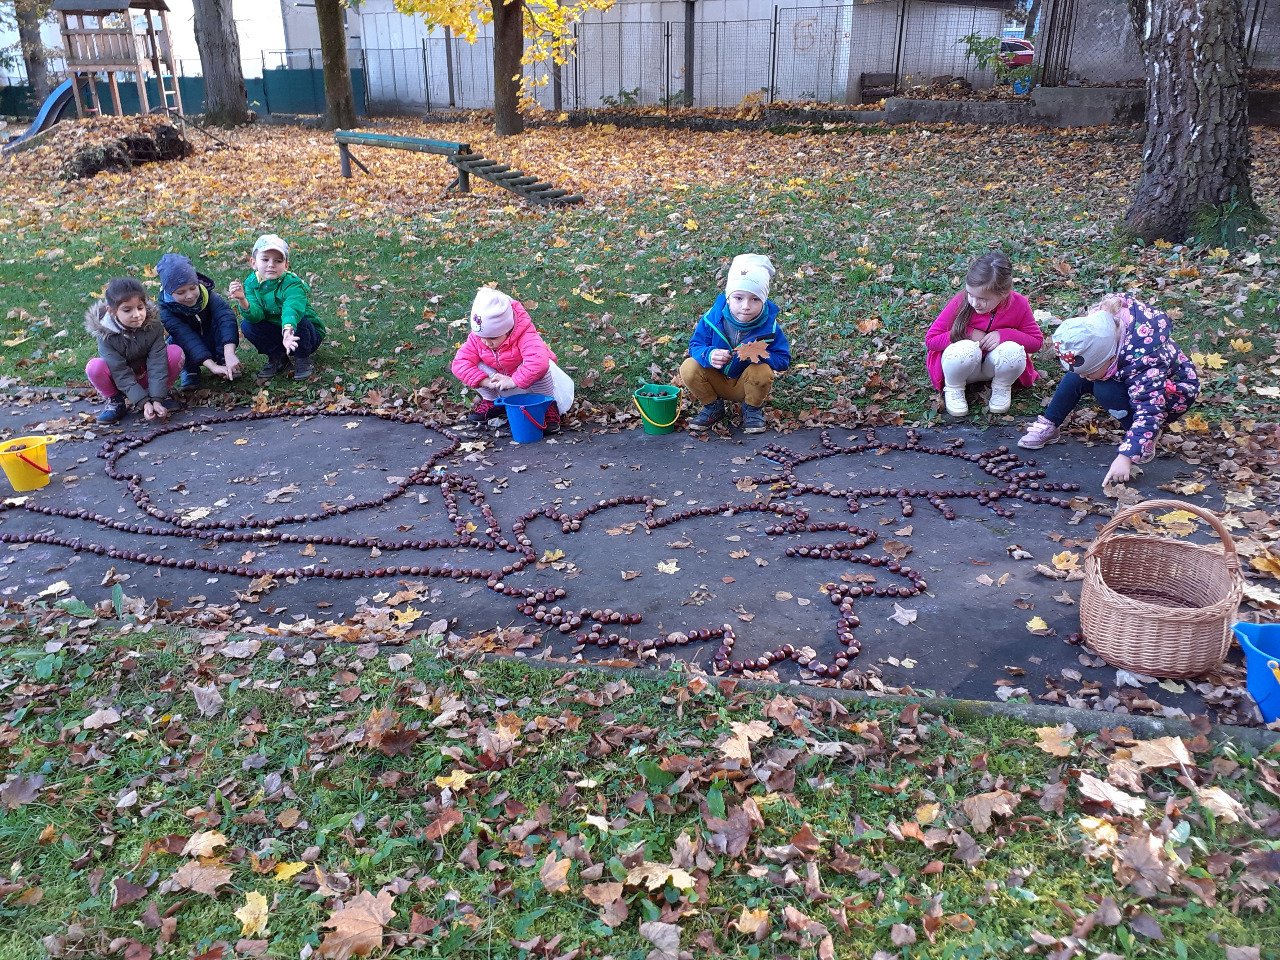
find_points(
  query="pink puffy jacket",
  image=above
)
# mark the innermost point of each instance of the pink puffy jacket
(524, 356)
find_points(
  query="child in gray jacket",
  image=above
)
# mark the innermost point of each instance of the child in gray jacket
(133, 364)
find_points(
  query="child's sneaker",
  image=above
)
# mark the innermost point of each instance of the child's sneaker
(552, 420)
(1041, 433)
(190, 379)
(303, 368)
(752, 419)
(273, 366)
(484, 411)
(709, 415)
(953, 397)
(114, 409)
(1001, 398)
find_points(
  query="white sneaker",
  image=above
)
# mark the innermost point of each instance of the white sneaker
(954, 399)
(1001, 398)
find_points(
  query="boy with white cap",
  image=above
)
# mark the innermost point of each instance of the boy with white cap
(276, 308)
(504, 355)
(717, 369)
(1122, 352)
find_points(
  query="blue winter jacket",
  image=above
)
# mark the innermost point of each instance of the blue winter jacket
(193, 328)
(711, 334)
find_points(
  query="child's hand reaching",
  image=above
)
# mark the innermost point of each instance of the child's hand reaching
(500, 382)
(720, 358)
(231, 363)
(289, 338)
(155, 410)
(236, 292)
(1119, 471)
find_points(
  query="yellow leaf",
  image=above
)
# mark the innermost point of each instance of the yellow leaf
(667, 566)
(455, 781)
(751, 920)
(550, 556)
(372, 375)
(691, 224)
(406, 616)
(1241, 346)
(1037, 623)
(1176, 517)
(1163, 245)
(1214, 361)
(253, 915)
(654, 875)
(54, 589)
(1056, 741)
(241, 442)
(926, 813)
(1099, 831)
(1065, 561)
(286, 871)
(1196, 424)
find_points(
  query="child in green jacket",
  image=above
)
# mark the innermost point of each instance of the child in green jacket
(276, 310)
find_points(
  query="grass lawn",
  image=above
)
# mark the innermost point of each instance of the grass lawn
(871, 232)
(503, 810)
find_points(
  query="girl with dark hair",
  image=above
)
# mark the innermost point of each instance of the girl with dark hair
(133, 364)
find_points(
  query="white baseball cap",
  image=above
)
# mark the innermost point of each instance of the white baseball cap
(269, 241)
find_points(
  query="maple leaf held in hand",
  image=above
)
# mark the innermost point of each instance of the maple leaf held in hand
(755, 351)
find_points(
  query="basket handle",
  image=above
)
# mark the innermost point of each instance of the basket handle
(679, 408)
(541, 426)
(32, 463)
(1228, 545)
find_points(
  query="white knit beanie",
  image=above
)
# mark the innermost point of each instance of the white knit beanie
(491, 314)
(1087, 344)
(751, 273)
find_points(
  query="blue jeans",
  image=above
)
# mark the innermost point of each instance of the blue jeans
(266, 337)
(1111, 395)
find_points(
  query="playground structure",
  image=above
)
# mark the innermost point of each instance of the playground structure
(102, 36)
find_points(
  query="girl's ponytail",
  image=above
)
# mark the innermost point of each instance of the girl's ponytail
(121, 289)
(991, 271)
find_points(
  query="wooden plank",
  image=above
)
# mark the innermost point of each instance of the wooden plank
(416, 144)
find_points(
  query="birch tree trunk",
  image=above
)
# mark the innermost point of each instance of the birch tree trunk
(1196, 153)
(30, 14)
(339, 97)
(226, 101)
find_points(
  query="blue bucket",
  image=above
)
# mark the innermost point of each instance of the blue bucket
(527, 414)
(1261, 644)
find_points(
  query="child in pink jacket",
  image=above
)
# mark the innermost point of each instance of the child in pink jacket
(985, 333)
(505, 355)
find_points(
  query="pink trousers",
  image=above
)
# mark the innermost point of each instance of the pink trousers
(99, 373)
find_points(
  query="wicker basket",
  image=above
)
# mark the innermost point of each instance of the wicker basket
(1157, 605)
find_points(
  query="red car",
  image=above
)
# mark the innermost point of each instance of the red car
(1016, 53)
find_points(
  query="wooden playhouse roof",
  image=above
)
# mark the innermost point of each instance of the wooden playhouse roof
(92, 7)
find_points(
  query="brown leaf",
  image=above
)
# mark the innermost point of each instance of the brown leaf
(1057, 741)
(602, 893)
(1161, 754)
(1053, 797)
(357, 926)
(664, 936)
(981, 808)
(1091, 788)
(555, 873)
(123, 893)
(201, 879)
(806, 841)
(755, 351)
(898, 549)
(902, 935)
(448, 819)
(377, 724)
(20, 789)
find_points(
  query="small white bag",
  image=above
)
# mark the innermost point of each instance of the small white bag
(561, 388)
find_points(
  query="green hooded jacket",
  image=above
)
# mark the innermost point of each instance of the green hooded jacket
(284, 302)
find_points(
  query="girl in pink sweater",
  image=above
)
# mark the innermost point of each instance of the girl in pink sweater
(985, 333)
(504, 356)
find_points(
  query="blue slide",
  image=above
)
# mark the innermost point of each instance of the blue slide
(53, 110)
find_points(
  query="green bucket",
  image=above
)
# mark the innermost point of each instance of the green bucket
(659, 406)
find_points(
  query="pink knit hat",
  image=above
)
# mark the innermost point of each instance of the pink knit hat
(491, 314)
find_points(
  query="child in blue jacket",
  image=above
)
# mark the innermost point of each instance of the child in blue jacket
(716, 369)
(197, 320)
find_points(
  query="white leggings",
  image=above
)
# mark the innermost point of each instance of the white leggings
(963, 363)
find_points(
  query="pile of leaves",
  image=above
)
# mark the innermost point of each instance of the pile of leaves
(210, 793)
(959, 88)
(81, 149)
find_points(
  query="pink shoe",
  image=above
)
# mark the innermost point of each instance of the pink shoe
(1041, 433)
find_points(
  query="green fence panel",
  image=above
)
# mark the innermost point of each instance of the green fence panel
(18, 101)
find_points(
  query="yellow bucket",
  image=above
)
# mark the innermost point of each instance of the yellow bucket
(26, 462)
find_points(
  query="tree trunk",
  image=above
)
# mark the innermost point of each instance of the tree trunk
(30, 13)
(508, 50)
(1033, 14)
(339, 97)
(226, 101)
(1196, 153)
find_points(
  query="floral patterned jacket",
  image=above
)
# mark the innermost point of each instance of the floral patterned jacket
(1160, 379)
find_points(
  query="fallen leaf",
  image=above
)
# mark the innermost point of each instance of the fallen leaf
(1057, 741)
(902, 615)
(755, 351)
(203, 844)
(199, 878)
(666, 566)
(555, 873)
(253, 915)
(103, 717)
(630, 574)
(602, 894)
(981, 808)
(357, 926)
(1161, 754)
(665, 938)
(656, 875)
(1037, 625)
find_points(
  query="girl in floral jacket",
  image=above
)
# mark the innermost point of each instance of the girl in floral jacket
(1124, 354)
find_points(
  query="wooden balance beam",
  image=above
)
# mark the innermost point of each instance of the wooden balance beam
(462, 158)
